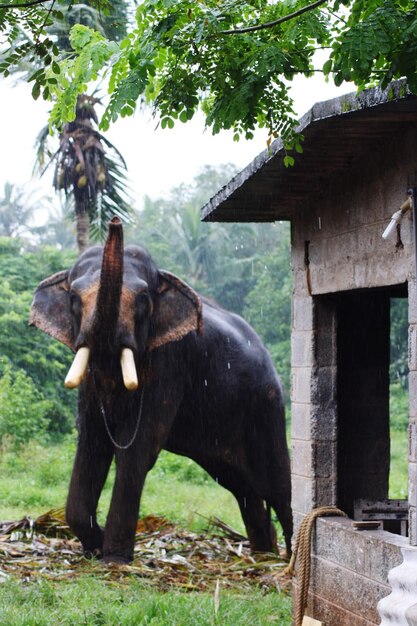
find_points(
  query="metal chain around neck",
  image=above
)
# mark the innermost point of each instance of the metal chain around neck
(103, 412)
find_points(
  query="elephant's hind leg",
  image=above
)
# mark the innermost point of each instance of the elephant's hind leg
(260, 531)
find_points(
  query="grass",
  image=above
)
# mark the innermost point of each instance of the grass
(90, 602)
(36, 479)
(398, 479)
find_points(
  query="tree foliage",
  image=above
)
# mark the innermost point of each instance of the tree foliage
(42, 361)
(244, 267)
(234, 59)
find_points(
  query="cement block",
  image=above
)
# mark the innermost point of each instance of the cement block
(324, 387)
(351, 591)
(412, 484)
(302, 349)
(412, 302)
(301, 384)
(412, 442)
(412, 347)
(302, 313)
(369, 553)
(412, 528)
(302, 494)
(325, 490)
(412, 395)
(331, 614)
(323, 423)
(325, 459)
(300, 421)
(302, 462)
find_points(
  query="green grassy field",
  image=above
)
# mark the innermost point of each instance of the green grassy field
(36, 479)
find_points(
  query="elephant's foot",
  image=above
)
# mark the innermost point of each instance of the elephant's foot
(96, 553)
(263, 539)
(116, 559)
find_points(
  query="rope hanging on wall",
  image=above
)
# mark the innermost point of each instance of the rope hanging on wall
(302, 551)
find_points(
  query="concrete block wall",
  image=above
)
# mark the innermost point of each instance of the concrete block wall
(340, 230)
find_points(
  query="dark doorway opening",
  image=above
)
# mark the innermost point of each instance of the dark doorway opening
(363, 401)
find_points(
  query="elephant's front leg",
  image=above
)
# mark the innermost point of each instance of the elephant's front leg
(120, 530)
(91, 466)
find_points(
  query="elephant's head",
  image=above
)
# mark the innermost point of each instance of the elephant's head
(113, 306)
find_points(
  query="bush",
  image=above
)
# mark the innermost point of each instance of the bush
(23, 409)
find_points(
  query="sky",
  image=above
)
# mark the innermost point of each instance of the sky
(157, 159)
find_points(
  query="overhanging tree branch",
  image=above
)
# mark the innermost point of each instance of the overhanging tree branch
(281, 20)
(23, 5)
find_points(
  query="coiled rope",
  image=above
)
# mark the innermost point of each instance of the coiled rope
(302, 552)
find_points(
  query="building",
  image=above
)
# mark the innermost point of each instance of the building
(359, 161)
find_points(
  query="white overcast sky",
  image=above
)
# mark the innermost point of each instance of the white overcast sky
(157, 159)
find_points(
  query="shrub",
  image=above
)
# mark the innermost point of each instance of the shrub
(23, 409)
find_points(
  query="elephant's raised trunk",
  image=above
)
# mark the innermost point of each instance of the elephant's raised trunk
(106, 313)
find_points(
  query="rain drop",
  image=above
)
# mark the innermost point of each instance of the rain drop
(228, 366)
(205, 382)
(248, 342)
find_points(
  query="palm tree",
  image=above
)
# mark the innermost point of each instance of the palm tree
(17, 208)
(90, 171)
(88, 168)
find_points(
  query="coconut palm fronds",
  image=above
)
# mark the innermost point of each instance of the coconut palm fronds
(165, 556)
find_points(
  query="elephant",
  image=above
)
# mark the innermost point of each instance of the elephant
(160, 367)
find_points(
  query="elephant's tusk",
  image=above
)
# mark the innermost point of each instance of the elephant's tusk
(130, 377)
(78, 368)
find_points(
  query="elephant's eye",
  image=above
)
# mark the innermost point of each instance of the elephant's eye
(75, 301)
(143, 302)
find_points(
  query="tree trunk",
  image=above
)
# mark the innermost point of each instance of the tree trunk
(83, 226)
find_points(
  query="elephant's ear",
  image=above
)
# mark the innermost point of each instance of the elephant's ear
(51, 311)
(177, 311)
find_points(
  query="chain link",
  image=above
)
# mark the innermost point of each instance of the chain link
(106, 424)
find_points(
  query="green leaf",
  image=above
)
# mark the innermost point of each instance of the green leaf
(289, 160)
(36, 90)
